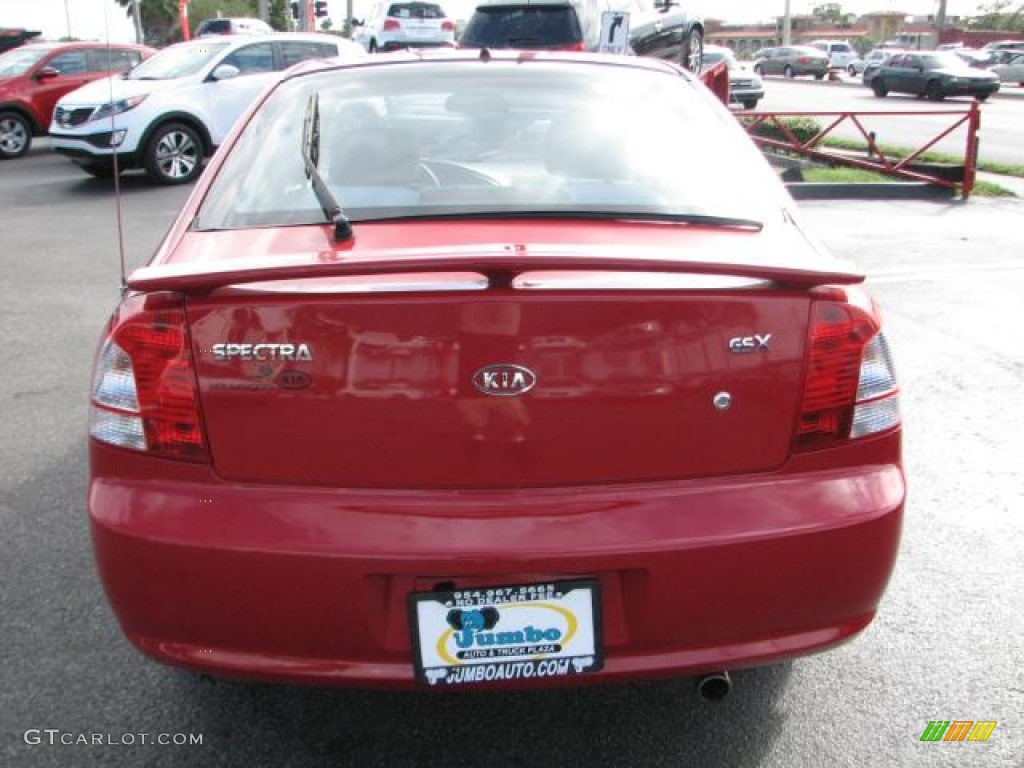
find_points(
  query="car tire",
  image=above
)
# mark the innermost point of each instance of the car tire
(788, 72)
(819, 76)
(750, 104)
(693, 51)
(878, 86)
(15, 136)
(372, 47)
(174, 154)
(982, 96)
(760, 72)
(851, 71)
(933, 91)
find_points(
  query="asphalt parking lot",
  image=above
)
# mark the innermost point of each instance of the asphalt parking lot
(945, 646)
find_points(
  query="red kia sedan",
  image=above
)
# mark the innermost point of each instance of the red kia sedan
(469, 370)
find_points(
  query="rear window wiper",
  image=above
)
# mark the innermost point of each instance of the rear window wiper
(311, 157)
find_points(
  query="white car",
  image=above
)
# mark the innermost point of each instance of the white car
(392, 26)
(840, 53)
(1012, 71)
(173, 110)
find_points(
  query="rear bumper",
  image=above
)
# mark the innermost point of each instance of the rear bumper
(310, 585)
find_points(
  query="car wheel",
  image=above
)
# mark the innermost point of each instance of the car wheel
(15, 135)
(933, 91)
(982, 96)
(372, 47)
(819, 76)
(760, 72)
(693, 51)
(878, 86)
(788, 71)
(851, 71)
(750, 104)
(174, 154)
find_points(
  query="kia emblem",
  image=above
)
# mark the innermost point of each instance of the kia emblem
(504, 380)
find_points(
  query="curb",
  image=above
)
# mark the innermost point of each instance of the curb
(913, 190)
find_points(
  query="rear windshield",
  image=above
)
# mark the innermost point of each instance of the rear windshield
(215, 27)
(479, 139)
(512, 26)
(415, 11)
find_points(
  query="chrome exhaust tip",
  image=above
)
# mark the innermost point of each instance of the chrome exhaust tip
(714, 687)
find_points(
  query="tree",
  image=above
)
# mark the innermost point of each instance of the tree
(1000, 14)
(160, 23)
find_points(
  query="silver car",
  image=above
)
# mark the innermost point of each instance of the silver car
(792, 61)
(745, 87)
(1012, 71)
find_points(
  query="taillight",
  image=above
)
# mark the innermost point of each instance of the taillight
(144, 392)
(802, 60)
(390, 25)
(850, 389)
(575, 47)
(448, 26)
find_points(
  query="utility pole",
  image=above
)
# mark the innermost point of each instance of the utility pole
(137, 16)
(787, 25)
(264, 10)
(940, 17)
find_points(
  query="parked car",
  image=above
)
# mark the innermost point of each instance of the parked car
(570, 25)
(34, 76)
(840, 53)
(665, 30)
(391, 26)
(745, 87)
(660, 30)
(874, 61)
(792, 61)
(933, 75)
(233, 26)
(463, 371)
(1004, 45)
(1012, 71)
(170, 113)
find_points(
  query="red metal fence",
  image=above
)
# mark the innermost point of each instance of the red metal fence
(909, 166)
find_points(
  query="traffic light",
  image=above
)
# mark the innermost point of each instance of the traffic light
(295, 11)
(320, 8)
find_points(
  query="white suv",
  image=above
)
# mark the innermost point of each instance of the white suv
(840, 53)
(392, 26)
(173, 110)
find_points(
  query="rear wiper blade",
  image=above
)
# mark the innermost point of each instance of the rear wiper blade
(311, 157)
(699, 219)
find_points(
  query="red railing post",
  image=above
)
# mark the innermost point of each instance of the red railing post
(971, 158)
(186, 34)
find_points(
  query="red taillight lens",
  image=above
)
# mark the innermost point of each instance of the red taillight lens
(145, 395)
(448, 26)
(850, 388)
(802, 60)
(390, 25)
(576, 47)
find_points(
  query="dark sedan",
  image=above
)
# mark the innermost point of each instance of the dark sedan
(667, 32)
(934, 75)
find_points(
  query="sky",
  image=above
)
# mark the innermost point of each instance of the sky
(86, 17)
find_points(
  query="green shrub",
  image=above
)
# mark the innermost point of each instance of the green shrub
(803, 128)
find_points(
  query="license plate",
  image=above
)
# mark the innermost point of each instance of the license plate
(496, 634)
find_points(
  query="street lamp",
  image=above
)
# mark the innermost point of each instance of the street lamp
(786, 25)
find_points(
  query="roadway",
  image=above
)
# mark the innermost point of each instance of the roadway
(1002, 117)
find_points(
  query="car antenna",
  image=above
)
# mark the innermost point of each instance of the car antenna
(117, 174)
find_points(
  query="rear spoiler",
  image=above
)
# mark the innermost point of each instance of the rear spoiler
(501, 266)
